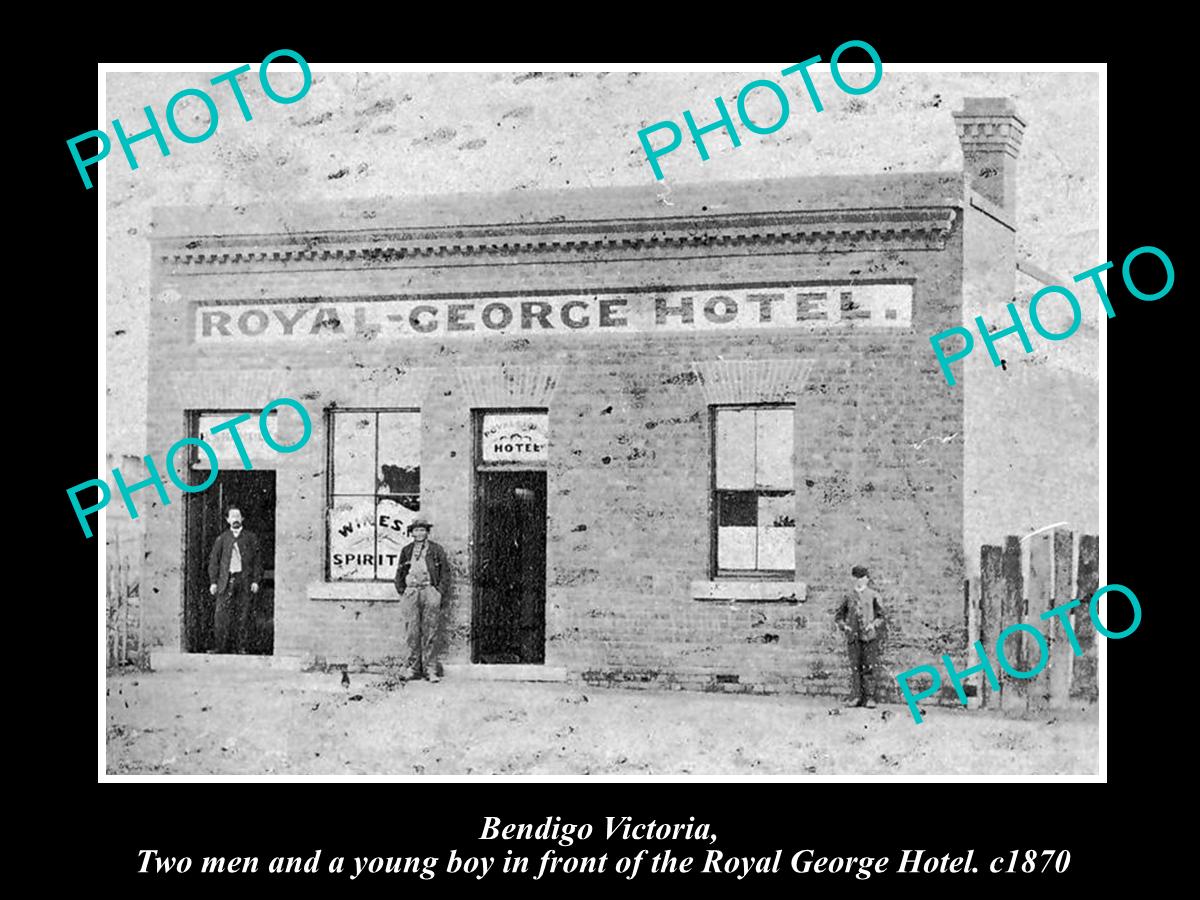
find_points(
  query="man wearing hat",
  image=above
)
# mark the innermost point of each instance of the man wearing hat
(860, 616)
(421, 578)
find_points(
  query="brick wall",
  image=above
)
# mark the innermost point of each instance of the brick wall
(628, 474)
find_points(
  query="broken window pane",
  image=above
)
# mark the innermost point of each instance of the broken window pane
(776, 510)
(737, 508)
(376, 491)
(399, 469)
(410, 502)
(353, 453)
(773, 443)
(735, 448)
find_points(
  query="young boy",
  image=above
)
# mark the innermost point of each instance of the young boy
(860, 616)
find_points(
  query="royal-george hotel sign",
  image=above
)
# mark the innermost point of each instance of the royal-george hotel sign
(755, 308)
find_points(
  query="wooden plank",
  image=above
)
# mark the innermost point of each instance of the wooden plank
(1012, 610)
(1038, 593)
(1085, 682)
(991, 593)
(141, 646)
(1062, 656)
(971, 602)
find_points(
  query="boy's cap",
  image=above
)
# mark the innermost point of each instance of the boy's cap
(859, 572)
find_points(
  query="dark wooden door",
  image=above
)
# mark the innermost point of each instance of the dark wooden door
(510, 568)
(203, 526)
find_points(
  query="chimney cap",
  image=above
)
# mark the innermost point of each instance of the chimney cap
(989, 106)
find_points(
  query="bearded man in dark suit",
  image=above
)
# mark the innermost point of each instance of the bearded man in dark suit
(234, 573)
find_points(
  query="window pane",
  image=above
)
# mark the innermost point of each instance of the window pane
(776, 510)
(737, 508)
(353, 453)
(392, 531)
(226, 449)
(735, 548)
(352, 538)
(777, 548)
(773, 441)
(735, 448)
(399, 453)
(777, 531)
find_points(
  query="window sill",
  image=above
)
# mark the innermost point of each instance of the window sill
(371, 591)
(751, 591)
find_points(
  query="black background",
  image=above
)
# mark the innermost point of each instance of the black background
(1115, 831)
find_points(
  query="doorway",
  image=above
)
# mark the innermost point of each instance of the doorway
(510, 567)
(252, 492)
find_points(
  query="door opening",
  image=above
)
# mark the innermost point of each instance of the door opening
(508, 622)
(252, 492)
(510, 568)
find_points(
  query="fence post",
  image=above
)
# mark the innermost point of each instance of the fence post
(1012, 610)
(118, 618)
(109, 616)
(1083, 682)
(1062, 657)
(991, 594)
(124, 601)
(1038, 594)
(972, 613)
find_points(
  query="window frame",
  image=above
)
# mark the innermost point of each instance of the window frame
(716, 573)
(331, 414)
(199, 461)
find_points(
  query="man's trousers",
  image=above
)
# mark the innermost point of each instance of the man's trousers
(864, 658)
(231, 618)
(422, 608)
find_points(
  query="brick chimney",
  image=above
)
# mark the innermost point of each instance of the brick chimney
(990, 133)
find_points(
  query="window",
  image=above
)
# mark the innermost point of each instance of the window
(754, 500)
(374, 490)
(225, 445)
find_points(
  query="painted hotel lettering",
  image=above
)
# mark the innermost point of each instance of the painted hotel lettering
(515, 437)
(810, 306)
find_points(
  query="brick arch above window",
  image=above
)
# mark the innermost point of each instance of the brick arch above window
(751, 381)
(508, 386)
(382, 386)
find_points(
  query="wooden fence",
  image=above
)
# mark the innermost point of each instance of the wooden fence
(123, 562)
(1017, 583)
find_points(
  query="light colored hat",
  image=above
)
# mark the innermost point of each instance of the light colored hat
(419, 522)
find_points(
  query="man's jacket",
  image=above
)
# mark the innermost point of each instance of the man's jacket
(435, 559)
(222, 552)
(849, 614)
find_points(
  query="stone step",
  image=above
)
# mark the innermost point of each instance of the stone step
(514, 672)
(165, 660)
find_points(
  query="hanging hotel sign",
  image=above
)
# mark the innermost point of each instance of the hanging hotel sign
(515, 437)
(758, 309)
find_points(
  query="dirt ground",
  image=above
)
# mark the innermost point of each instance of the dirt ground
(269, 722)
